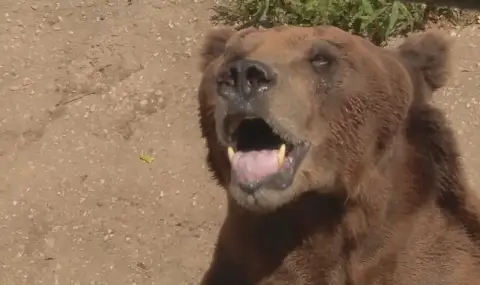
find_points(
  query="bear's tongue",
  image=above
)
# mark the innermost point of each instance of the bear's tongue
(253, 166)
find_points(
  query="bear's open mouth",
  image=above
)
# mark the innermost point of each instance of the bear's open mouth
(261, 155)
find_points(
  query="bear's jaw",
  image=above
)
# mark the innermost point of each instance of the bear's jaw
(261, 157)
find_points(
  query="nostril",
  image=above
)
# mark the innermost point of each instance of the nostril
(257, 74)
(233, 76)
(258, 77)
(228, 82)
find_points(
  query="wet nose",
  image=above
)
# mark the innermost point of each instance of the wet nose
(248, 78)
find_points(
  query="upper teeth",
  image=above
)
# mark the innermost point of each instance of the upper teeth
(280, 154)
(231, 153)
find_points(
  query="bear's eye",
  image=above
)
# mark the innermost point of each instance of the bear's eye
(320, 61)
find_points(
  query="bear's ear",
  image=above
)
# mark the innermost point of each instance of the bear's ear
(214, 45)
(429, 53)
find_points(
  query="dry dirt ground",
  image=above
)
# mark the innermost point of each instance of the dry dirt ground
(87, 88)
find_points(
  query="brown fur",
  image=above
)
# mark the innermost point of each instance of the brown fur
(381, 197)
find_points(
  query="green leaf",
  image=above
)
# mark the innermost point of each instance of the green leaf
(367, 7)
(409, 16)
(393, 17)
(376, 14)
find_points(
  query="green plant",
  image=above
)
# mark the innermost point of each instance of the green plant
(373, 19)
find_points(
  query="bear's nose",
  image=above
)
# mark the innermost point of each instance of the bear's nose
(248, 78)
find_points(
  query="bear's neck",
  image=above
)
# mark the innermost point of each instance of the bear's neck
(384, 195)
(367, 225)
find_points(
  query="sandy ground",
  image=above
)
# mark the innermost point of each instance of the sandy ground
(86, 88)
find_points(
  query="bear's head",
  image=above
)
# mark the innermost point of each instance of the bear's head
(289, 110)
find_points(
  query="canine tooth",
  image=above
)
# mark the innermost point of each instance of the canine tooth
(281, 155)
(231, 153)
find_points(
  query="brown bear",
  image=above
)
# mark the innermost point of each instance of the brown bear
(337, 167)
